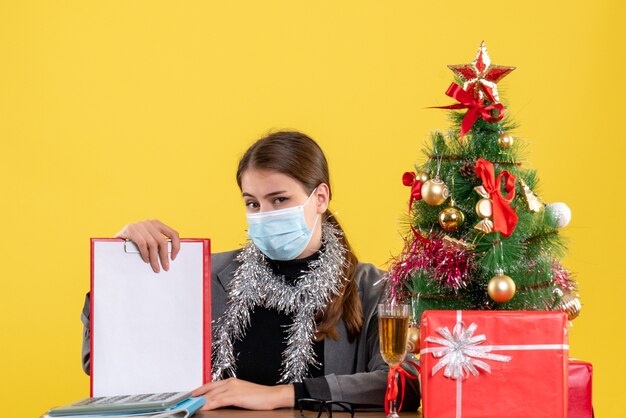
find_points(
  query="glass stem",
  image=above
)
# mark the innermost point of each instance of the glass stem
(392, 407)
(392, 404)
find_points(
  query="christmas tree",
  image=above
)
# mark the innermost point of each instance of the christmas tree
(480, 238)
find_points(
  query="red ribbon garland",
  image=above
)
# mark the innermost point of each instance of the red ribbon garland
(392, 383)
(504, 216)
(475, 108)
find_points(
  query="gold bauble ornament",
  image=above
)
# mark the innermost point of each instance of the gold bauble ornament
(505, 140)
(434, 192)
(501, 287)
(423, 177)
(413, 341)
(570, 304)
(451, 218)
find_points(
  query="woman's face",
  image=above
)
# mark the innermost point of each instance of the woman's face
(268, 190)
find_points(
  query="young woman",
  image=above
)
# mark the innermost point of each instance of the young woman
(294, 311)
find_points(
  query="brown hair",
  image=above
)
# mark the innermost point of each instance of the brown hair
(298, 156)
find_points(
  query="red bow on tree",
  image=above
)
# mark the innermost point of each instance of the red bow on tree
(410, 179)
(504, 216)
(476, 108)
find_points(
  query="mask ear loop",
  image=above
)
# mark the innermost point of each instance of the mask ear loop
(308, 198)
(312, 229)
(315, 223)
(318, 215)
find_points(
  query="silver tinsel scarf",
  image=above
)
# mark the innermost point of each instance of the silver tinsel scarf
(255, 284)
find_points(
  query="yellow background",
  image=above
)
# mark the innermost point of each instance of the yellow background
(118, 111)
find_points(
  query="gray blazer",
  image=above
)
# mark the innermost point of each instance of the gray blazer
(354, 372)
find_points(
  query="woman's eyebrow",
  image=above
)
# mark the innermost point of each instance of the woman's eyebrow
(245, 194)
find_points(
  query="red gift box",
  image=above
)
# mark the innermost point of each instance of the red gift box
(494, 364)
(579, 405)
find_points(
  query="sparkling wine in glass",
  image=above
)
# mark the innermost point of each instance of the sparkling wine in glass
(393, 329)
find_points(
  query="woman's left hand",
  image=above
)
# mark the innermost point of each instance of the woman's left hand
(242, 394)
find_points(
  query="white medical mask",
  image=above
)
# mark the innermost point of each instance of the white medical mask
(281, 234)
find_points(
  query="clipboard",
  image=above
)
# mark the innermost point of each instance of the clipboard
(150, 332)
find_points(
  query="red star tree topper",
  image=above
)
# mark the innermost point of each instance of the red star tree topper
(480, 77)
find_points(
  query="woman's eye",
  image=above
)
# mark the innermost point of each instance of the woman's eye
(280, 200)
(252, 205)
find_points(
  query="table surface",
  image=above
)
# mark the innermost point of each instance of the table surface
(290, 413)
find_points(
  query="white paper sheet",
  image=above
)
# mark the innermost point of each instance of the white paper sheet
(147, 327)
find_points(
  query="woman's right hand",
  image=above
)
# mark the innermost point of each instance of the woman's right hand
(151, 238)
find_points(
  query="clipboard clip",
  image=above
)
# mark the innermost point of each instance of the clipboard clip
(131, 248)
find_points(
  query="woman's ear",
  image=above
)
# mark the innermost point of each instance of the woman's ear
(322, 197)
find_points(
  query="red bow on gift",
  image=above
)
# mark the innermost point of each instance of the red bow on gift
(504, 216)
(475, 108)
(392, 383)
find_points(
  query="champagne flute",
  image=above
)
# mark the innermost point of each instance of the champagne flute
(393, 328)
